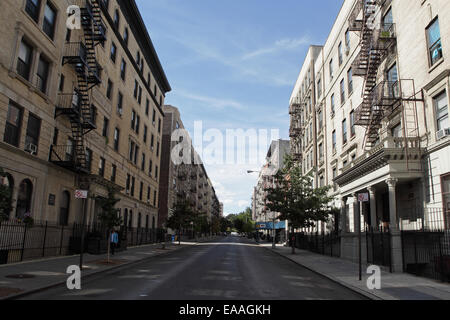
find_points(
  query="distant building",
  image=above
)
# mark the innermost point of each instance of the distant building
(183, 182)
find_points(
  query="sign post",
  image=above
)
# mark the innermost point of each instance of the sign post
(82, 194)
(362, 197)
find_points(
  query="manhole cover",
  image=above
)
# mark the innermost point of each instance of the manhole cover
(4, 291)
(21, 276)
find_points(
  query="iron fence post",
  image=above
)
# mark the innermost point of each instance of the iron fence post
(61, 240)
(415, 253)
(441, 259)
(23, 242)
(45, 236)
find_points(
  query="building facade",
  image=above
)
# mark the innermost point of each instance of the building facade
(185, 180)
(276, 155)
(80, 109)
(382, 88)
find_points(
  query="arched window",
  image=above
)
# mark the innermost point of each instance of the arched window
(64, 209)
(24, 199)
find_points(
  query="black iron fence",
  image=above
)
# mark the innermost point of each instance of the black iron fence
(427, 253)
(323, 243)
(378, 246)
(21, 242)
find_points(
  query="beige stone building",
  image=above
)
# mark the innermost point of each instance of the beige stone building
(382, 91)
(80, 109)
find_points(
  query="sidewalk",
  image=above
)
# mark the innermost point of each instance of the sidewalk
(394, 286)
(33, 276)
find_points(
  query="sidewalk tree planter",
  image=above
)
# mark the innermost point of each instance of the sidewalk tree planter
(295, 198)
(109, 216)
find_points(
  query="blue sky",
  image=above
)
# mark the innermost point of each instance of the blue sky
(233, 64)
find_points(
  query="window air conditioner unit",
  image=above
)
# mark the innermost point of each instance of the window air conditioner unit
(31, 148)
(441, 134)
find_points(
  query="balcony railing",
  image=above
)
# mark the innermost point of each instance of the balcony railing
(64, 156)
(75, 53)
(69, 103)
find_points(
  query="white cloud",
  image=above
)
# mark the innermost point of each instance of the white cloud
(278, 46)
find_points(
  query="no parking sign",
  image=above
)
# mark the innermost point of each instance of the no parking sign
(81, 194)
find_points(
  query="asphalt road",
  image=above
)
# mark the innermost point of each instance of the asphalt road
(231, 269)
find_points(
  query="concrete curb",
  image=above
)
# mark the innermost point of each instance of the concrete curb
(335, 280)
(91, 275)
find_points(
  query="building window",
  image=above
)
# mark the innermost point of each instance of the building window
(147, 107)
(154, 117)
(441, 107)
(105, 126)
(145, 133)
(143, 162)
(319, 88)
(152, 142)
(352, 123)
(141, 190)
(23, 205)
(396, 131)
(434, 42)
(150, 168)
(116, 139)
(113, 52)
(320, 119)
(133, 119)
(156, 172)
(109, 89)
(332, 105)
(13, 124)
(119, 103)
(101, 167)
(342, 86)
(24, 60)
(116, 19)
(32, 7)
(347, 40)
(42, 75)
(136, 155)
(340, 53)
(61, 83)
(344, 131)
(123, 69)
(33, 132)
(133, 182)
(154, 198)
(331, 69)
(334, 141)
(49, 20)
(350, 81)
(138, 124)
(113, 173)
(159, 125)
(125, 36)
(88, 159)
(127, 186)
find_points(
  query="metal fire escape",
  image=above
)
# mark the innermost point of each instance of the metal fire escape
(381, 98)
(76, 105)
(295, 132)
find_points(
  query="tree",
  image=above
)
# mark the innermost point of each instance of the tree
(295, 198)
(5, 199)
(109, 215)
(181, 215)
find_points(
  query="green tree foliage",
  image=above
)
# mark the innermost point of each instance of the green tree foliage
(5, 199)
(242, 222)
(295, 198)
(109, 215)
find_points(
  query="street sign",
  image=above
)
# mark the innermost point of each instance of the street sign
(81, 194)
(363, 197)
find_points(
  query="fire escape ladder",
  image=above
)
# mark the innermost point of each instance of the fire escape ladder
(82, 56)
